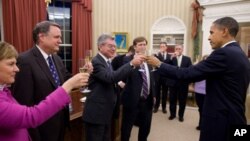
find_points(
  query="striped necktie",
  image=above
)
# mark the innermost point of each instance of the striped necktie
(144, 82)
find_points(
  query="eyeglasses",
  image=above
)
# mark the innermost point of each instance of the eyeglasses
(109, 45)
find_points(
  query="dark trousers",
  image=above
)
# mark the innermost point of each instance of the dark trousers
(97, 132)
(200, 100)
(161, 93)
(215, 128)
(178, 94)
(143, 115)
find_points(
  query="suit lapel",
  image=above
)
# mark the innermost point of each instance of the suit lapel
(175, 61)
(43, 64)
(102, 60)
(183, 59)
(161, 57)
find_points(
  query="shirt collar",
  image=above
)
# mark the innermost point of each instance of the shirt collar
(228, 43)
(105, 58)
(179, 56)
(45, 55)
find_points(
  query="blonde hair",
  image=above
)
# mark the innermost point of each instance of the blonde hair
(7, 51)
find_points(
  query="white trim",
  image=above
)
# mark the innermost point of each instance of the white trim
(216, 2)
(214, 9)
(169, 25)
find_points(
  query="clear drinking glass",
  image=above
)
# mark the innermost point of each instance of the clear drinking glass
(148, 53)
(83, 68)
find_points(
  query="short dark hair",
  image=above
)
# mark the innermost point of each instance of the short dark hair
(42, 27)
(131, 49)
(139, 39)
(165, 43)
(230, 23)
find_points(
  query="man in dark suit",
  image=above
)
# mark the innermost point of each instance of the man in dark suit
(118, 61)
(138, 97)
(101, 101)
(179, 89)
(35, 80)
(227, 80)
(161, 83)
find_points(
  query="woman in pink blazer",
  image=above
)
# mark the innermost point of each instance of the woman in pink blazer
(16, 118)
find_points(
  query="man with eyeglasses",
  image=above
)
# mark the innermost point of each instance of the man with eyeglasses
(100, 103)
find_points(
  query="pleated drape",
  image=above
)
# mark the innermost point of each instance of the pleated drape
(81, 30)
(19, 19)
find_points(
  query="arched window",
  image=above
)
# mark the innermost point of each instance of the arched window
(168, 29)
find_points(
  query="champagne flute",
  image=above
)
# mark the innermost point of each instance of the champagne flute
(146, 53)
(88, 56)
(83, 68)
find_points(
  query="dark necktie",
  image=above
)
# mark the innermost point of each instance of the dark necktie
(110, 66)
(53, 71)
(144, 82)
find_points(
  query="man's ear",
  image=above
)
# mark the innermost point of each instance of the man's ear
(41, 36)
(225, 31)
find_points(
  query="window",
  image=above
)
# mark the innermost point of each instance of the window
(60, 12)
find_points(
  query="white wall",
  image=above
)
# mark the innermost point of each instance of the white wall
(138, 16)
(214, 9)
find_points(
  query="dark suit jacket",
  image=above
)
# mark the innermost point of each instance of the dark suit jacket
(227, 71)
(117, 62)
(101, 101)
(185, 63)
(34, 82)
(168, 60)
(132, 91)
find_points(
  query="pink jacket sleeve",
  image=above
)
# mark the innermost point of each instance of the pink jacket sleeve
(14, 115)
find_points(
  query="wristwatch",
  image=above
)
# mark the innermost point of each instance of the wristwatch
(132, 66)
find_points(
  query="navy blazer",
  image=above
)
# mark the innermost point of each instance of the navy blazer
(227, 71)
(101, 100)
(185, 63)
(132, 91)
(168, 60)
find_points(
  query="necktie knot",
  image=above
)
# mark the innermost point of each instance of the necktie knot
(109, 65)
(142, 66)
